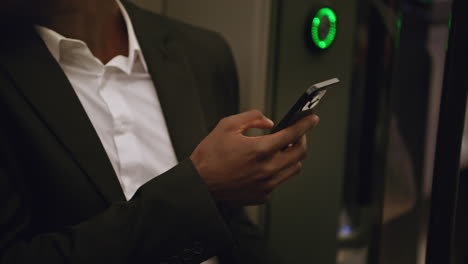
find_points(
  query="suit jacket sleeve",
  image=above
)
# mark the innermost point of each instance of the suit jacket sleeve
(166, 222)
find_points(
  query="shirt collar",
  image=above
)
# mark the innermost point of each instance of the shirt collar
(54, 42)
(133, 45)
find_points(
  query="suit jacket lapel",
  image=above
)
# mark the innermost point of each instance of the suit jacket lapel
(173, 78)
(43, 83)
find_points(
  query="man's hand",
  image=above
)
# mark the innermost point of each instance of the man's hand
(242, 170)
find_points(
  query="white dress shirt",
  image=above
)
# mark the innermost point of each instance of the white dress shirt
(121, 101)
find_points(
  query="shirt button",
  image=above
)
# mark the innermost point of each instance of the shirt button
(120, 127)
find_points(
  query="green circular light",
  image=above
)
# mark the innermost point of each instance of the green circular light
(315, 27)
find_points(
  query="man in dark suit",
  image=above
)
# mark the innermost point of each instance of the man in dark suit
(81, 177)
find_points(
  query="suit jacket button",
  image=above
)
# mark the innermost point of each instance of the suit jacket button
(198, 248)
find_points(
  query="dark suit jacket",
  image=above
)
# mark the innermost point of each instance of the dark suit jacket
(60, 200)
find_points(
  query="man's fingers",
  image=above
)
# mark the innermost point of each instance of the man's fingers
(285, 175)
(247, 120)
(291, 155)
(282, 160)
(291, 134)
(301, 143)
(263, 123)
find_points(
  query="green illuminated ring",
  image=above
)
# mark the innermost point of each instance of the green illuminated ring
(328, 40)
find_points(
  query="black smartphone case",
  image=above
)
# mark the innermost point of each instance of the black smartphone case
(305, 105)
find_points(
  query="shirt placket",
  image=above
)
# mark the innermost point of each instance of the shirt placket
(123, 134)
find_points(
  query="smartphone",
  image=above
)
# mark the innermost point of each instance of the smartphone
(306, 104)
